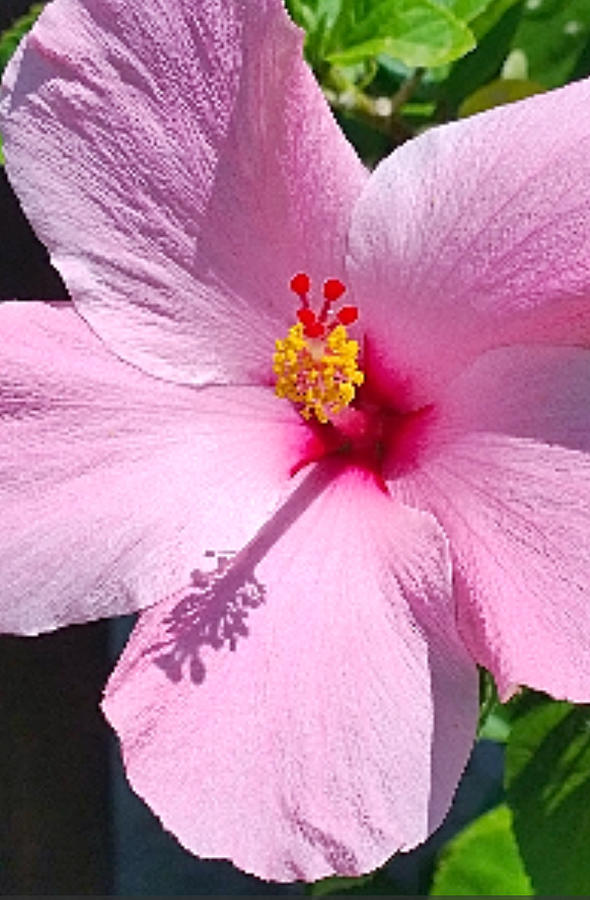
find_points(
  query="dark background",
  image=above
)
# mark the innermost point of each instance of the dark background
(10, 9)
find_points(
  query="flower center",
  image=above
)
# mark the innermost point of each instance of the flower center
(317, 363)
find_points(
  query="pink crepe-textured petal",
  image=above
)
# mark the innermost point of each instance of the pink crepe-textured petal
(181, 164)
(335, 729)
(508, 477)
(113, 483)
(477, 235)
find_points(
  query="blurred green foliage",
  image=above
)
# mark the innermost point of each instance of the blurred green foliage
(391, 68)
(536, 843)
(483, 859)
(497, 92)
(548, 791)
(417, 32)
(553, 35)
(496, 29)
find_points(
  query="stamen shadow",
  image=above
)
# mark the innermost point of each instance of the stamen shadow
(213, 611)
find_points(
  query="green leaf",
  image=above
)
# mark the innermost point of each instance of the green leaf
(317, 18)
(553, 34)
(482, 859)
(484, 63)
(376, 883)
(582, 67)
(548, 791)
(312, 11)
(327, 9)
(302, 13)
(492, 15)
(333, 886)
(497, 93)
(495, 718)
(417, 32)
(466, 10)
(419, 110)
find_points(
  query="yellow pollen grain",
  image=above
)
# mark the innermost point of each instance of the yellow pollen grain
(321, 378)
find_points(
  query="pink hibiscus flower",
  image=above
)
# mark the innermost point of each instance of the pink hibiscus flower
(333, 560)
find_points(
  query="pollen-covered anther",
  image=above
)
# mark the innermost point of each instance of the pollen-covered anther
(317, 364)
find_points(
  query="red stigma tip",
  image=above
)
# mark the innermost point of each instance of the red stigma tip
(306, 316)
(347, 315)
(314, 329)
(300, 283)
(333, 289)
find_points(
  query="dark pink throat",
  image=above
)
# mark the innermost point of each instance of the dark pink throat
(372, 436)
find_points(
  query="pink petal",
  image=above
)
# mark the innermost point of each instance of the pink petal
(333, 733)
(474, 235)
(508, 477)
(181, 164)
(113, 483)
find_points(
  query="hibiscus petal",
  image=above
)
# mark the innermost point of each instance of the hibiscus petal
(181, 164)
(477, 234)
(509, 479)
(329, 725)
(113, 483)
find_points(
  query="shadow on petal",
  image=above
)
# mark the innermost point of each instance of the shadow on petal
(213, 612)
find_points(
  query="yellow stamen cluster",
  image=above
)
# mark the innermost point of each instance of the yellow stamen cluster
(318, 374)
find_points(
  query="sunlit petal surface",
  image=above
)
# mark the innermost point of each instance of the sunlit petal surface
(179, 163)
(476, 235)
(326, 725)
(113, 483)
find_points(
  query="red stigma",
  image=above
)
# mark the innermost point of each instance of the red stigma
(306, 316)
(333, 289)
(300, 284)
(314, 329)
(318, 324)
(311, 326)
(347, 315)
